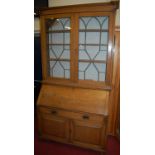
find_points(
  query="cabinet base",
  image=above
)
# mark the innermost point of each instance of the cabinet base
(47, 138)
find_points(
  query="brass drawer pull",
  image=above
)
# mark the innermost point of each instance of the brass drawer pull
(85, 117)
(54, 112)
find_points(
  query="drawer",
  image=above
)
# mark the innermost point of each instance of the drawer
(72, 115)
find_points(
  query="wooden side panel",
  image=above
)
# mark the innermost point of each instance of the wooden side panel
(117, 88)
(87, 100)
(114, 94)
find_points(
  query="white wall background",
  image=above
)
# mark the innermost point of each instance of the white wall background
(36, 25)
(117, 20)
(53, 3)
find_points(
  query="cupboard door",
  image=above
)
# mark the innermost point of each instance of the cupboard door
(94, 47)
(57, 46)
(58, 39)
(54, 127)
(88, 134)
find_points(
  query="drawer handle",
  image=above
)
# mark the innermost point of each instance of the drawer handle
(53, 112)
(85, 117)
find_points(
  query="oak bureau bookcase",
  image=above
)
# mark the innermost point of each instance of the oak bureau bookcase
(77, 62)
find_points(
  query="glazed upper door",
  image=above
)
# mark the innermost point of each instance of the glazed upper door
(58, 36)
(94, 47)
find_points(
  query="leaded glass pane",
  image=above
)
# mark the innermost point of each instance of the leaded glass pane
(101, 55)
(92, 38)
(81, 37)
(67, 38)
(65, 54)
(104, 48)
(60, 69)
(93, 47)
(104, 37)
(58, 38)
(58, 23)
(83, 66)
(56, 69)
(101, 76)
(67, 74)
(65, 65)
(83, 55)
(55, 51)
(101, 67)
(92, 71)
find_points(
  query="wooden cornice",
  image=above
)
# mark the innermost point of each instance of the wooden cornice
(93, 7)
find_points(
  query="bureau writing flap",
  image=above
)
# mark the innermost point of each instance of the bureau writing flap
(87, 100)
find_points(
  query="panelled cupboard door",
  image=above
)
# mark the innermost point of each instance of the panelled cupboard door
(54, 127)
(88, 134)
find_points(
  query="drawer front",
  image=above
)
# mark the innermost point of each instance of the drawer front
(72, 115)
